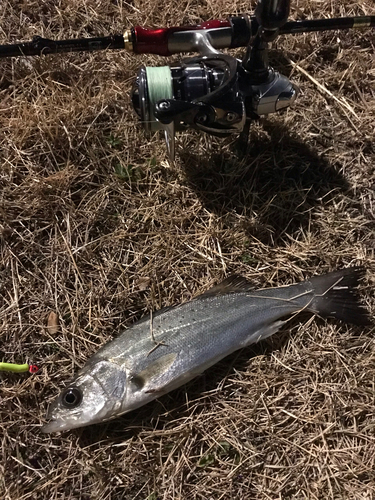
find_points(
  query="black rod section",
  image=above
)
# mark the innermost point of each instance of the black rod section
(40, 46)
(341, 23)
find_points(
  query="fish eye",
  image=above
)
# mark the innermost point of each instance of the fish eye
(71, 398)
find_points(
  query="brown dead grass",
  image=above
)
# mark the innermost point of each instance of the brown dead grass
(85, 252)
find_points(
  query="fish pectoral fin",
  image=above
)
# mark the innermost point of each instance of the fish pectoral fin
(153, 371)
(140, 383)
(154, 390)
(264, 332)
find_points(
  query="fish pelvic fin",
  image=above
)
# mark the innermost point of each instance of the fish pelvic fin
(336, 295)
(264, 332)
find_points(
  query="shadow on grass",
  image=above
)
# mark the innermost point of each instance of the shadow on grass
(276, 183)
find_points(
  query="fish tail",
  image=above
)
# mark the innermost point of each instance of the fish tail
(336, 295)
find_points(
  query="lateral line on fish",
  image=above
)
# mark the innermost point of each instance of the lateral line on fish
(279, 298)
(178, 327)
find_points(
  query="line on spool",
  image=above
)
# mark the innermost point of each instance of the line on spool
(159, 86)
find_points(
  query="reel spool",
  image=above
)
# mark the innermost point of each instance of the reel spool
(153, 84)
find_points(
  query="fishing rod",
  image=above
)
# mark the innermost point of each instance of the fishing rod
(234, 32)
(214, 92)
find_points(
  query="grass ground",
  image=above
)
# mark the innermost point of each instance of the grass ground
(98, 228)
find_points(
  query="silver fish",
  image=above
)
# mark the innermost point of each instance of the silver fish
(167, 349)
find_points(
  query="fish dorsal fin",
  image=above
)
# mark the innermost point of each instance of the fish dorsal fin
(233, 283)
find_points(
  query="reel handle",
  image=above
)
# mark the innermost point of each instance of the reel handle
(272, 14)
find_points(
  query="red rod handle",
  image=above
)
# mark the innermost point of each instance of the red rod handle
(155, 41)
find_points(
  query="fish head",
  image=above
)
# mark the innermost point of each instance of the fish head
(95, 395)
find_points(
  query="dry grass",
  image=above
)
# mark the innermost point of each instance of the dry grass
(292, 418)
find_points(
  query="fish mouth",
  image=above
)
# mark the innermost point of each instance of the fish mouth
(58, 425)
(53, 426)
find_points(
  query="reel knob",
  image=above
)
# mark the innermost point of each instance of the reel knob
(272, 14)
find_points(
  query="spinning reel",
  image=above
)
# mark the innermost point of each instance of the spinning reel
(213, 92)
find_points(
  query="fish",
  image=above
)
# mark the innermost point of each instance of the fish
(170, 347)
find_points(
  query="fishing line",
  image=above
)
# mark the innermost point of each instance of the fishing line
(159, 82)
